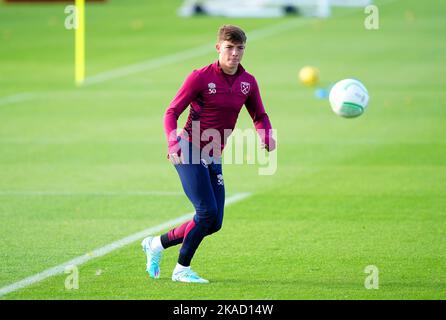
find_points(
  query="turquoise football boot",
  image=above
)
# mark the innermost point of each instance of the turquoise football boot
(153, 258)
(189, 276)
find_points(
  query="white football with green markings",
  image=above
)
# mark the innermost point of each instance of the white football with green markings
(349, 98)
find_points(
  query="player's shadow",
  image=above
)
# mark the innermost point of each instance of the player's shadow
(256, 282)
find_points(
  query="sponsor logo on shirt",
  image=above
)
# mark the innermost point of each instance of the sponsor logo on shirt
(212, 88)
(220, 181)
(244, 87)
(204, 163)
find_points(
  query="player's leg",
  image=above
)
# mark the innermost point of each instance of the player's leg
(216, 175)
(197, 185)
(176, 235)
(153, 246)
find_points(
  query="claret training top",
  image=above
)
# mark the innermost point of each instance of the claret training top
(215, 100)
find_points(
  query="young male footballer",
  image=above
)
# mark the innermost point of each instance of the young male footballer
(215, 93)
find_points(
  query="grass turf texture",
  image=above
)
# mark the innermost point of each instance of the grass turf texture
(347, 193)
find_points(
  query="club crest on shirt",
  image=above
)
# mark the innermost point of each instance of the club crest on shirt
(245, 86)
(212, 88)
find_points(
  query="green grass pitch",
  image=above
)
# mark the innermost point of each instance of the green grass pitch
(348, 193)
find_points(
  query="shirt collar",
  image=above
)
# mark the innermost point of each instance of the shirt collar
(217, 68)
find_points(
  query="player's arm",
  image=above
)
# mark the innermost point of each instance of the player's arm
(260, 118)
(185, 95)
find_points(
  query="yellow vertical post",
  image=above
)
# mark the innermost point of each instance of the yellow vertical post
(80, 43)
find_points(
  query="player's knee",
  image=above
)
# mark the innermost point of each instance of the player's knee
(216, 227)
(208, 218)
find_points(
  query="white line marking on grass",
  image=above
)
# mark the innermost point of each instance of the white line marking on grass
(16, 98)
(74, 140)
(107, 249)
(159, 62)
(156, 63)
(100, 194)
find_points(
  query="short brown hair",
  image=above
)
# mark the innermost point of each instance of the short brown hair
(231, 33)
